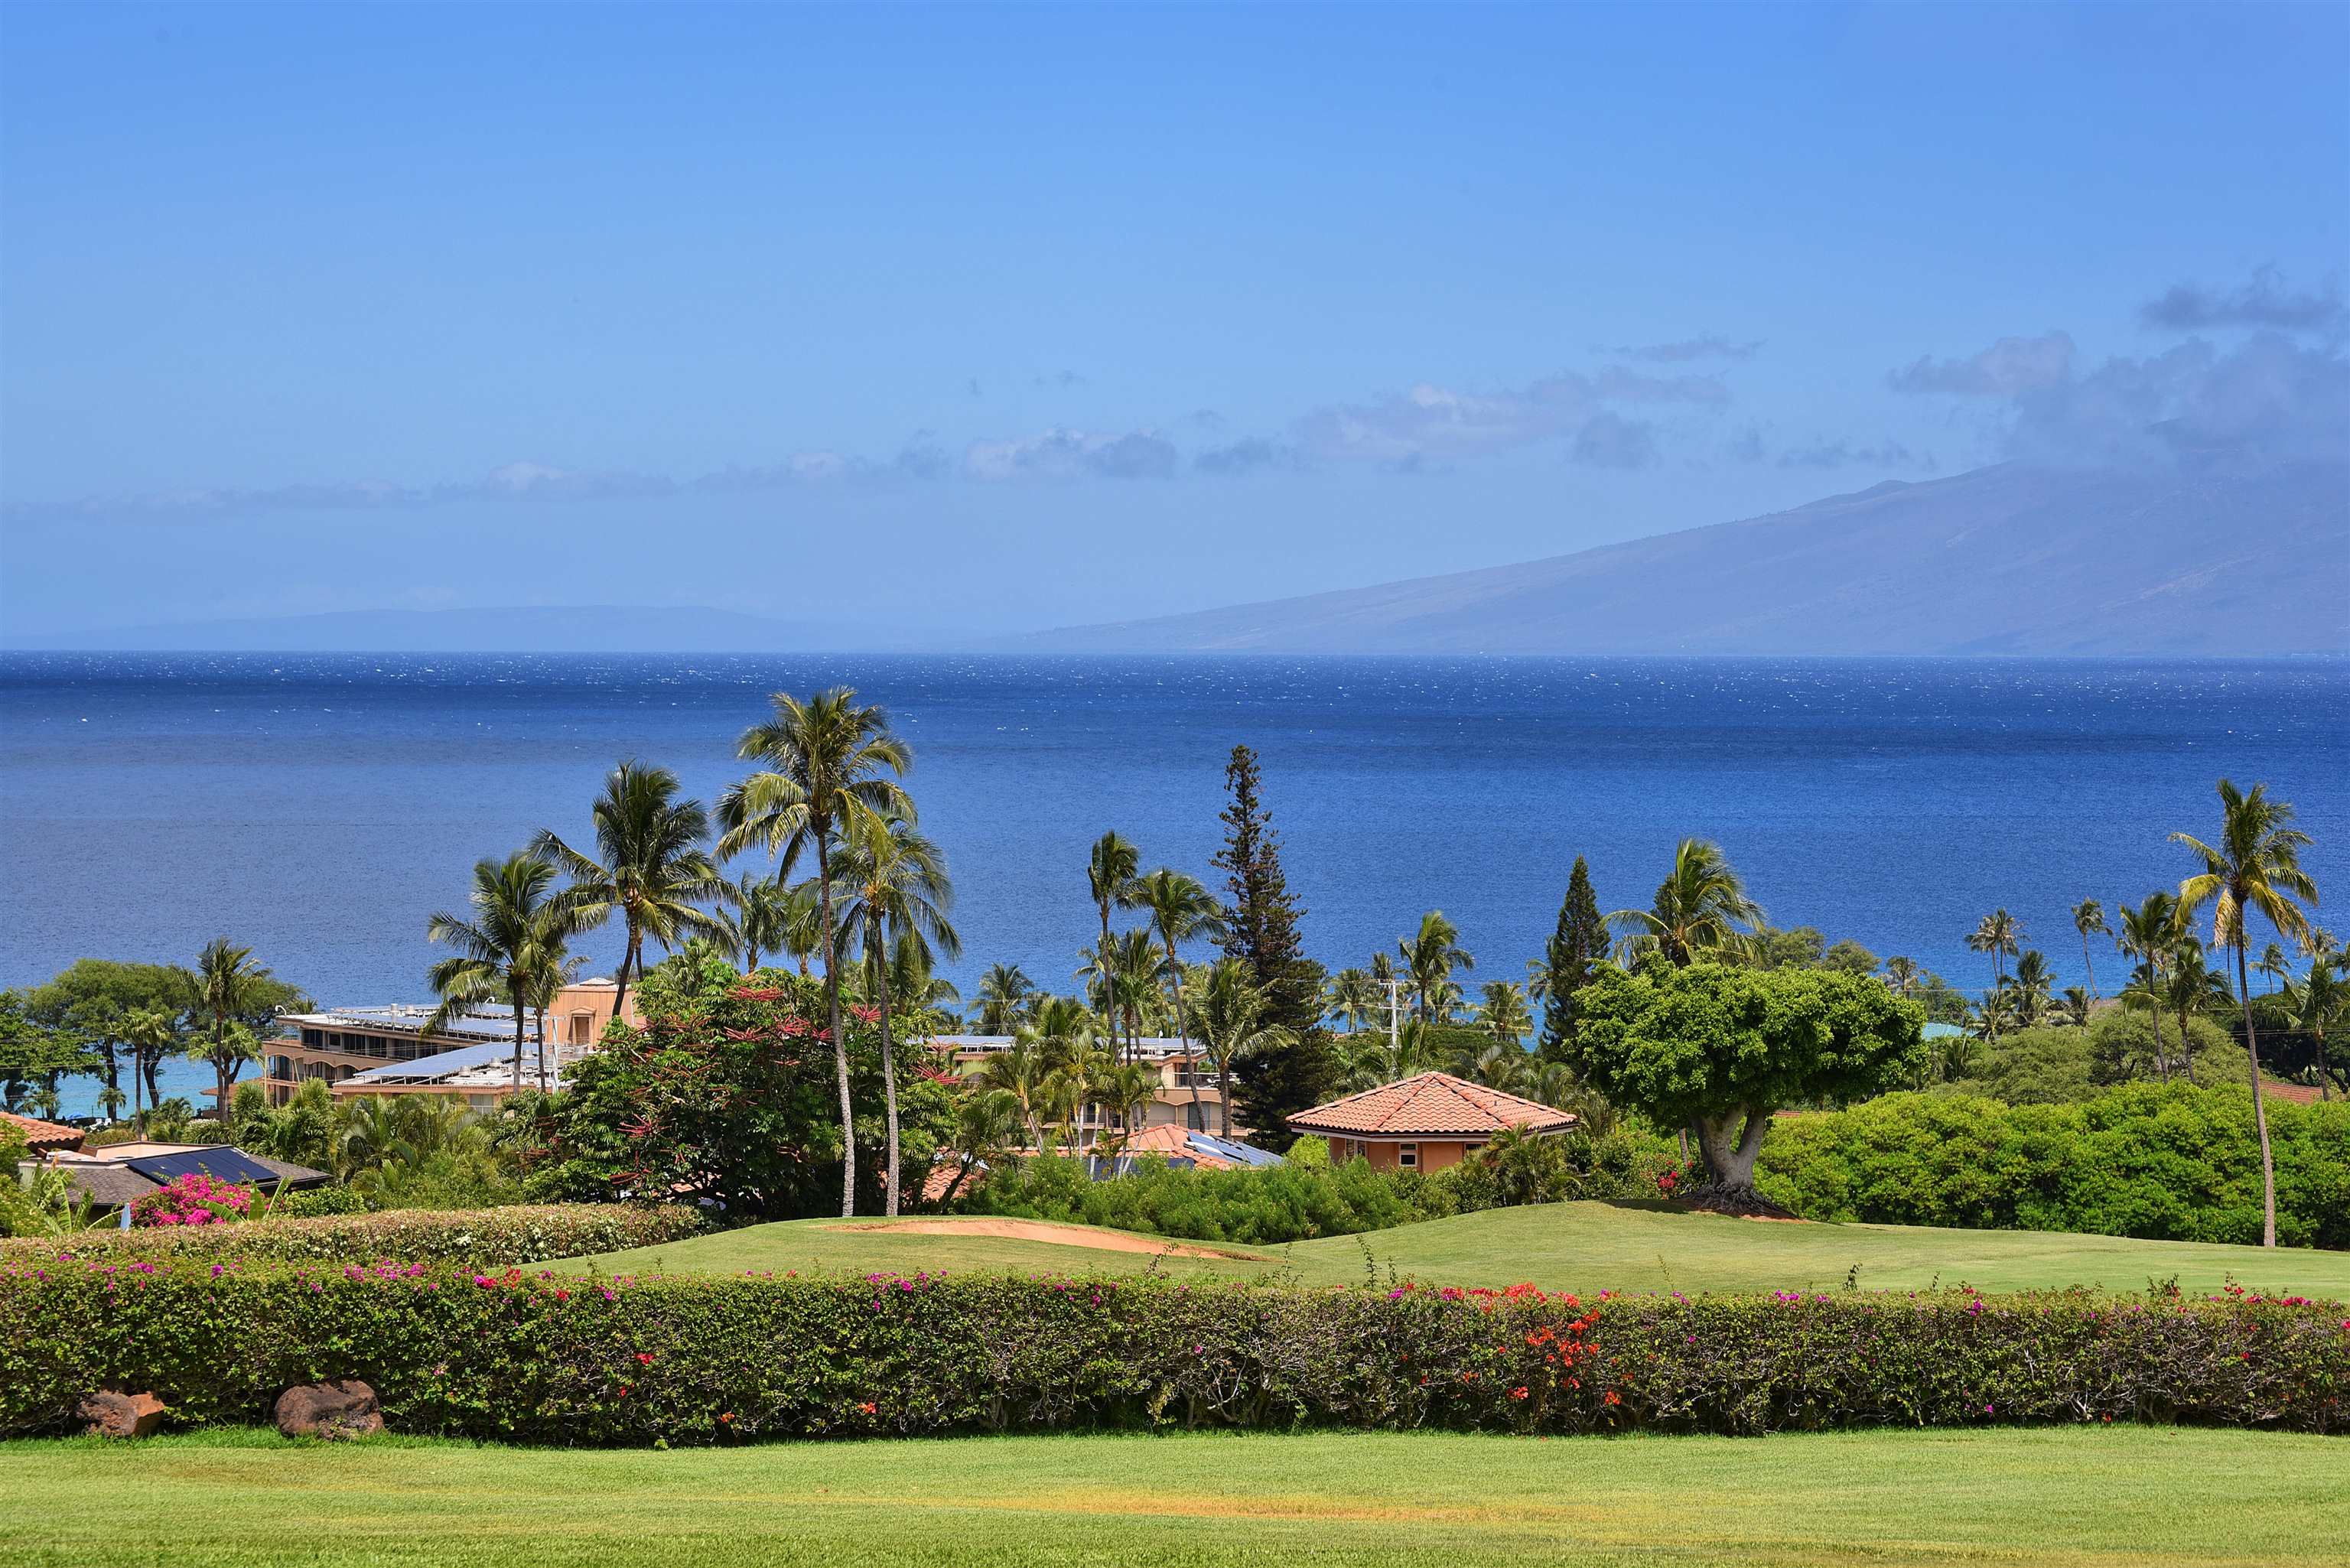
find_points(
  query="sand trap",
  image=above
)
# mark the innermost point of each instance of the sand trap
(1038, 1231)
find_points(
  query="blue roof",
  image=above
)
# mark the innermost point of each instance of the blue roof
(426, 1069)
(1941, 1031)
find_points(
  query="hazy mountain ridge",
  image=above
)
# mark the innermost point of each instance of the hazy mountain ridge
(584, 628)
(2007, 559)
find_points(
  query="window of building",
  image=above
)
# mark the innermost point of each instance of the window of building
(1408, 1156)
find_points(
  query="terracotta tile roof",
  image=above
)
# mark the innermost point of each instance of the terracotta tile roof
(1430, 1104)
(41, 1136)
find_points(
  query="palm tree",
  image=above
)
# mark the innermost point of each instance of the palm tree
(2073, 1007)
(503, 951)
(1998, 934)
(2255, 868)
(1126, 1091)
(1181, 911)
(762, 910)
(2033, 984)
(2275, 966)
(2088, 916)
(1005, 998)
(225, 976)
(897, 893)
(1697, 911)
(149, 1032)
(986, 1121)
(821, 759)
(1430, 955)
(2149, 933)
(1110, 868)
(652, 870)
(2318, 1001)
(1231, 1026)
(2190, 987)
(1021, 1072)
(1503, 1012)
(1901, 974)
(1351, 997)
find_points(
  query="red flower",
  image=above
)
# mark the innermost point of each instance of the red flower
(866, 1407)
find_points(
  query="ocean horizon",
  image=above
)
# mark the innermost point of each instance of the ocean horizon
(318, 807)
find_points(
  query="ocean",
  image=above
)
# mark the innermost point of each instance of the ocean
(319, 807)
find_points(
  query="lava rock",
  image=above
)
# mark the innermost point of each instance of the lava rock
(338, 1407)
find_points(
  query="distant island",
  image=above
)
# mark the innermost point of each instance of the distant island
(2010, 559)
(2003, 560)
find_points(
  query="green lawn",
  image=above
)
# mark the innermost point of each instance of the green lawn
(1572, 1246)
(2106, 1496)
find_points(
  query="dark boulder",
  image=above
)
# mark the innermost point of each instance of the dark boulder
(338, 1407)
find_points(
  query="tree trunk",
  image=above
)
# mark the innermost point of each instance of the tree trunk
(832, 1013)
(2089, 966)
(1730, 1155)
(888, 1084)
(521, 1013)
(1224, 1093)
(543, 1083)
(2161, 1062)
(2259, 1111)
(628, 957)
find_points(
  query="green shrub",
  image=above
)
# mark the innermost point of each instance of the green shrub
(1308, 1153)
(489, 1238)
(574, 1361)
(337, 1197)
(2160, 1161)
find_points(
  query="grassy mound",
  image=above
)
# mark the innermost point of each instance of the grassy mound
(1566, 1246)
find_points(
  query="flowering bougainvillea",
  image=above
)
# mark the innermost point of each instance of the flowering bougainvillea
(195, 1199)
(621, 1361)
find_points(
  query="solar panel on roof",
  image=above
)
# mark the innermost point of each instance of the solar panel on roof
(220, 1164)
(440, 1064)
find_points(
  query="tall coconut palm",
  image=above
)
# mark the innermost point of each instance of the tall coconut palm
(896, 891)
(821, 758)
(504, 949)
(225, 978)
(2088, 916)
(2253, 868)
(1430, 955)
(1181, 911)
(1503, 1012)
(1696, 912)
(1110, 867)
(1231, 1013)
(2072, 1007)
(1998, 934)
(650, 867)
(2274, 966)
(2319, 1002)
(1126, 1091)
(1005, 998)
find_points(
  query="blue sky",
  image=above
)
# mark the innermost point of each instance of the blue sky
(1025, 318)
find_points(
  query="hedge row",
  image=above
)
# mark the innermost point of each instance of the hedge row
(476, 1237)
(2167, 1162)
(576, 1360)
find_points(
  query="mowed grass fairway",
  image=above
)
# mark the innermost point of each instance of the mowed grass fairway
(1569, 1246)
(2106, 1496)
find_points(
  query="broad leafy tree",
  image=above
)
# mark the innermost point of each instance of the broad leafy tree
(1719, 1048)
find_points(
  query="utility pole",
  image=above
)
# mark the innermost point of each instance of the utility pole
(1395, 1014)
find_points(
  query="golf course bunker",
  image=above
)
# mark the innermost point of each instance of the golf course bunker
(1039, 1231)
